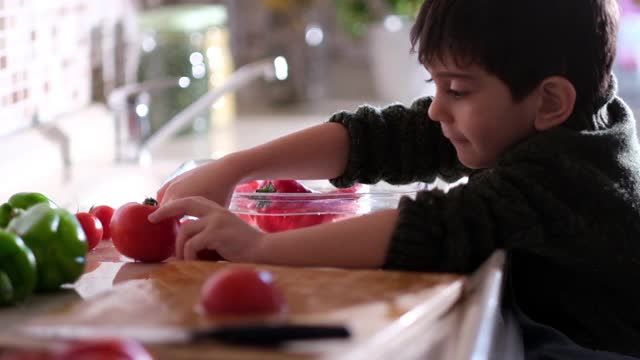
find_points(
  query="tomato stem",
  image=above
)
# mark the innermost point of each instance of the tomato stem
(150, 201)
(267, 188)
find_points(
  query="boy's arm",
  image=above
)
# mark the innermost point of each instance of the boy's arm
(397, 144)
(360, 242)
(318, 152)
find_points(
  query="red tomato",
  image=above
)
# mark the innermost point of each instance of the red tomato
(104, 213)
(248, 187)
(92, 228)
(114, 349)
(283, 186)
(134, 236)
(281, 215)
(275, 219)
(241, 291)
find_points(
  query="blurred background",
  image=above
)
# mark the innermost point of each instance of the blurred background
(118, 81)
(57, 57)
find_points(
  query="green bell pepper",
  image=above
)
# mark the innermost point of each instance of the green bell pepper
(58, 242)
(19, 202)
(17, 269)
(6, 214)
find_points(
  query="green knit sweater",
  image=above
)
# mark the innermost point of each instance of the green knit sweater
(564, 203)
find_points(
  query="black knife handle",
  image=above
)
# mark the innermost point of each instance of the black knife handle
(269, 335)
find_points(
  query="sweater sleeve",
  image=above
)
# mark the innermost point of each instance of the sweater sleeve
(396, 144)
(457, 231)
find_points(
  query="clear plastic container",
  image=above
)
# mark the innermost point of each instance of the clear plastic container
(280, 211)
(272, 212)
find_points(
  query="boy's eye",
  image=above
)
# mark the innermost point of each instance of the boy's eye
(429, 80)
(457, 94)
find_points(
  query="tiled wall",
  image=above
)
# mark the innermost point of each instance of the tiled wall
(49, 52)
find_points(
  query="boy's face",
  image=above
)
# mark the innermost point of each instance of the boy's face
(477, 113)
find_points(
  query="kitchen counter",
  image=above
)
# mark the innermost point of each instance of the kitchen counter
(443, 315)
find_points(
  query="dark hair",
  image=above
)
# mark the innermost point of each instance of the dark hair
(524, 41)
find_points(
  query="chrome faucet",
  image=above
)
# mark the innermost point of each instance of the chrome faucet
(134, 139)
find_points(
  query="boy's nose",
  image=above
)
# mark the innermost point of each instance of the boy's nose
(436, 111)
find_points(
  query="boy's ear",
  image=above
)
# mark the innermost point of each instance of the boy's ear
(557, 97)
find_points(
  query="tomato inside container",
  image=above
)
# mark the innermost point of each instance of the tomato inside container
(324, 203)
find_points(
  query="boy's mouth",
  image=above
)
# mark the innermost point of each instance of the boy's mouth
(452, 136)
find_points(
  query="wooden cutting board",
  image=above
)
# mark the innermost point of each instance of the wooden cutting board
(129, 297)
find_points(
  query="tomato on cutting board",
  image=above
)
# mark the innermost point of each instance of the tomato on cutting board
(134, 236)
(241, 291)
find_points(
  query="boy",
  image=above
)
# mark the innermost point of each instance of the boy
(525, 106)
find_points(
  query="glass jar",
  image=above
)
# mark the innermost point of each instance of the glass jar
(190, 42)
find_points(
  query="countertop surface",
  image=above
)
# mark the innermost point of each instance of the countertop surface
(119, 298)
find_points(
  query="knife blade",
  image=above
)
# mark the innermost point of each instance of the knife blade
(259, 334)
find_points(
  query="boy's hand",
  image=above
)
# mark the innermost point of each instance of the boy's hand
(216, 229)
(215, 181)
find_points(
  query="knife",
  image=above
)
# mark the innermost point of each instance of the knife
(261, 334)
(258, 334)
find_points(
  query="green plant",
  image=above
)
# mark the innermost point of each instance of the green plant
(354, 15)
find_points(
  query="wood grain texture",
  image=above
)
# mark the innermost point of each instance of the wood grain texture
(126, 297)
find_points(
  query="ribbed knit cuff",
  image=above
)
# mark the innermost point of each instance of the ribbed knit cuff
(355, 162)
(417, 242)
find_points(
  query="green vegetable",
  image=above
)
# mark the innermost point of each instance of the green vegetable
(6, 213)
(17, 269)
(21, 201)
(355, 15)
(25, 200)
(56, 238)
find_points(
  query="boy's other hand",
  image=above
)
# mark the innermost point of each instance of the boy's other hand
(216, 229)
(214, 181)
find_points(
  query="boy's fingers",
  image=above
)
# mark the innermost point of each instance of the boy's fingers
(193, 206)
(175, 208)
(195, 244)
(160, 193)
(187, 231)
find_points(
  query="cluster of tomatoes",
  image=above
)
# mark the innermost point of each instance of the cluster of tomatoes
(232, 291)
(287, 209)
(96, 224)
(278, 205)
(132, 234)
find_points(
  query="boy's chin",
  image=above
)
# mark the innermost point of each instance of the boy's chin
(474, 162)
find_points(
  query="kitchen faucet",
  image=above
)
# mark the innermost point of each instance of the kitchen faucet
(134, 142)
